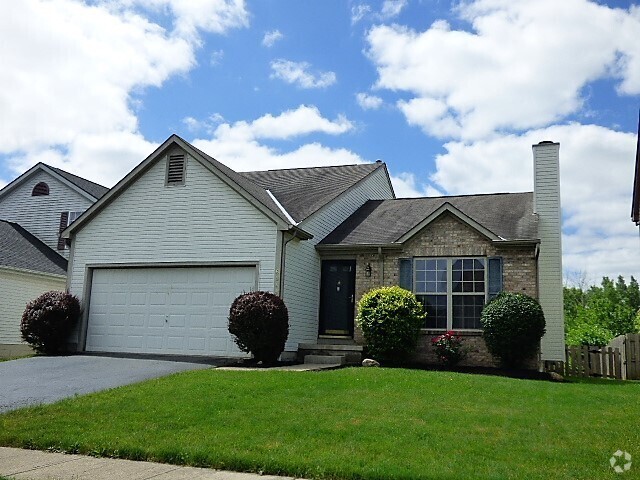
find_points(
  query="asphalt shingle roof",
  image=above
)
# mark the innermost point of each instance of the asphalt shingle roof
(303, 191)
(20, 249)
(381, 222)
(91, 188)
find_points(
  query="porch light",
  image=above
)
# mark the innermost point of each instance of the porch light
(367, 270)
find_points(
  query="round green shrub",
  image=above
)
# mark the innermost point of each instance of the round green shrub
(513, 326)
(48, 320)
(259, 322)
(390, 319)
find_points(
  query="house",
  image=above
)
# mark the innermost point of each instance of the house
(34, 209)
(45, 200)
(158, 260)
(28, 268)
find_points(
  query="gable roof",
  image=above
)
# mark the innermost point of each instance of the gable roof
(288, 196)
(253, 193)
(498, 216)
(21, 250)
(304, 191)
(86, 188)
(635, 202)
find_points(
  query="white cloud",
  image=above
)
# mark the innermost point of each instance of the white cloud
(69, 70)
(596, 171)
(207, 125)
(270, 38)
(392, 8)
(191, 16)
(298, 73)
(406, 185)
(368, 102)
(238, 145)
(516, 69)
(303, 120)
(216, 57)
(358, 12)
(112, 155)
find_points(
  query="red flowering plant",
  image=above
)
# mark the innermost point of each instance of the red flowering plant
(448, 347)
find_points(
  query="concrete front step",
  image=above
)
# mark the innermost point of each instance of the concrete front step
(325, 359)
(331, 347)
(352, 353)
(335, 340)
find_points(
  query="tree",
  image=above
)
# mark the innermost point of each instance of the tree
(601, 312)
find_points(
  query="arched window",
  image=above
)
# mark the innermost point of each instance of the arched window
(40, 189)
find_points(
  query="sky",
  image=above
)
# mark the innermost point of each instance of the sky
(450, 94)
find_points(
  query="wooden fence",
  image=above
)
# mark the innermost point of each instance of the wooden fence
(632, 351)
(629, 346)
(591, 361)
(620, 360)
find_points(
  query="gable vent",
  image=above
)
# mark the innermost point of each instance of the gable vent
(40, 190)
(176, 169)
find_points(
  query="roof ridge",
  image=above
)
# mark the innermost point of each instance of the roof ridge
(59, 170)
(460, 196)
(312, 168)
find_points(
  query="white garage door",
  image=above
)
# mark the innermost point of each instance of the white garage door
(165, 310)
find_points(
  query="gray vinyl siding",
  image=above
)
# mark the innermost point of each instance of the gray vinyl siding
(18, 288)
(547, 206)
(302, 270)
(41, 215)
(202, 222)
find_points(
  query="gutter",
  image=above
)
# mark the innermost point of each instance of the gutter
(516, 243)
(282, 261)
(357, 246)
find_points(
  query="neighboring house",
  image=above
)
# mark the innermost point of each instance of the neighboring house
(34, 209)
(158, 260)
(45, 200)
(28, 268)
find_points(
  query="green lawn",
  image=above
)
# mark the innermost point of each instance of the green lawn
(353, 423)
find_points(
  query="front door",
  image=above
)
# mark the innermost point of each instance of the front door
(337, 295)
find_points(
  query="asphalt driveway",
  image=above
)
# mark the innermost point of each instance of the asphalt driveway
(37, 380)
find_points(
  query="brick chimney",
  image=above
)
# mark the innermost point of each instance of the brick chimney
(546, 204)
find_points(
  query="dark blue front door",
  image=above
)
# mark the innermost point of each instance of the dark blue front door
(337, 295)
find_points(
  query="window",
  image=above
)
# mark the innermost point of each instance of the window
(176, 166)
(452, 290)
(66, 219)
(72, 217)
(41, 189)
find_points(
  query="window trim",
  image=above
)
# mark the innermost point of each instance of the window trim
(70, 213)
(450, 293)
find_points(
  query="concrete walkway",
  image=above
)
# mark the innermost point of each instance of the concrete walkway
(36, 465)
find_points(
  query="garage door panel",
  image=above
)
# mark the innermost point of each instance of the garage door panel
(165, 310)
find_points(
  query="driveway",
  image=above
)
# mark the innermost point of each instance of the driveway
(36, 380)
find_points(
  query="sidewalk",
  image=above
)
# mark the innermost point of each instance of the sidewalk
(36, 465)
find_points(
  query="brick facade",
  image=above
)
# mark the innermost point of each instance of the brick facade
(447, 236)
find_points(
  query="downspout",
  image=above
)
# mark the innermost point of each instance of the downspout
(282, 261)
(381, 266)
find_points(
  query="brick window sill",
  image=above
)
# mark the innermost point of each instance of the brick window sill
(460, 333)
